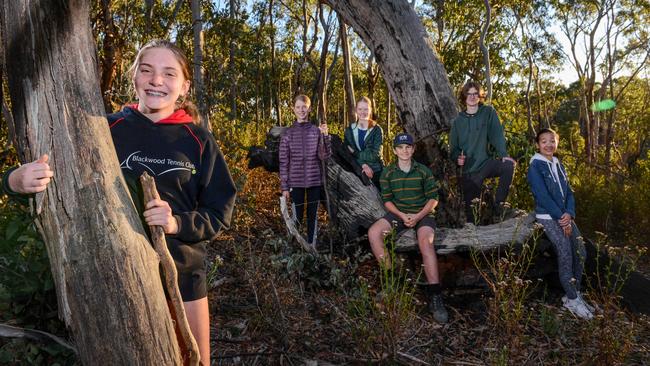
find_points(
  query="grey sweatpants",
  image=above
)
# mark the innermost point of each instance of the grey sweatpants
(571, 255)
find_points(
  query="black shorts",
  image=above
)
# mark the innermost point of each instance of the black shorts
(396, 222)
(190, 264)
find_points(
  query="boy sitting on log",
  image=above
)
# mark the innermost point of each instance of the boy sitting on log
(410, 194)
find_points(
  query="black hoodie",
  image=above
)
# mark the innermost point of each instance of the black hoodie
(190, 174)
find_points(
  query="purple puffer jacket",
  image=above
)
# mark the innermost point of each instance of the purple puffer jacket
(300, 156)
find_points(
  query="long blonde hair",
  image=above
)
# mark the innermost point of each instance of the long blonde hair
(185, 104)
(371, 122)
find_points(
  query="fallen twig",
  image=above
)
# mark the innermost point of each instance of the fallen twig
(412, 358)
(291, 227)
(9, 331)
(251, 354)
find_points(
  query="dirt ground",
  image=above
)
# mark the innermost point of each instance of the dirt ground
(272, 304)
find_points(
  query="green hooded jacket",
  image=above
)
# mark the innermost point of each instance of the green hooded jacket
(372, 153)
(479, 136)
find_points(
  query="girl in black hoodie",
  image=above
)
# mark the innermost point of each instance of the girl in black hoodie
(160, 135)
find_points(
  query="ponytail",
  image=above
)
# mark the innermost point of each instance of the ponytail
(191, 109)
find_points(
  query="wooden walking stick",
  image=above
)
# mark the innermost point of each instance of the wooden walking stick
(186, 341)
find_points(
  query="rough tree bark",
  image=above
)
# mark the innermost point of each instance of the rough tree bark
(105, 271)
(416, 79)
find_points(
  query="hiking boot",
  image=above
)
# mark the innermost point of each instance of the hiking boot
(577, 307)
(365, 180)
(437, 308)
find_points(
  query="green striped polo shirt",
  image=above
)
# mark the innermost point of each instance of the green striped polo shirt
(409, 192)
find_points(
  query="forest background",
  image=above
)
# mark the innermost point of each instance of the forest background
(549, 61)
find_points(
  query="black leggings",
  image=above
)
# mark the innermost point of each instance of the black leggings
(313, 199)
(472, 184)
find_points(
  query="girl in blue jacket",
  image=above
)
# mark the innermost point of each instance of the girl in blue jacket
(555, 210)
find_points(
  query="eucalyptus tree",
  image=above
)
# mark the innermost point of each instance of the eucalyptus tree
(105, 272)
(608, 39)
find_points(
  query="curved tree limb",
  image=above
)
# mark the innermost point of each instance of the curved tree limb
(188, 344)
(9, 331)
(291, 227)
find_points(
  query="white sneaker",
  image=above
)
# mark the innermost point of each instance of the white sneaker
(589, 307)
(577, 307)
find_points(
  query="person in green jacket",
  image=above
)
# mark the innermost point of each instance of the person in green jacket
(478, 146)
(364, 139)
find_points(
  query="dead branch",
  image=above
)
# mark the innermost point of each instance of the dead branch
(412, 358)
(187, 342)
(291, 227)
(9, 331)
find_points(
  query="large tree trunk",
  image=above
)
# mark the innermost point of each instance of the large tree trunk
(105, 271)
(232, 67)
(199, 87)
(275, 84)
(416, 79)
(112, 45)
(350, 101)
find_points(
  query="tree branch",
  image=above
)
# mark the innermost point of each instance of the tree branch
(9, 331)
(187, 342)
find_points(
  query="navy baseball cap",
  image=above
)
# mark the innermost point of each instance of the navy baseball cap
(403, 138)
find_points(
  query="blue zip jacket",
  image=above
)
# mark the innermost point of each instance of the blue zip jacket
(551, 189)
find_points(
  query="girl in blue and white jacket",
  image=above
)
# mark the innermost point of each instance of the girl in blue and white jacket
(555, 210)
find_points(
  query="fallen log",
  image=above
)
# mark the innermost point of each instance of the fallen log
(356, 206)
(516, 230)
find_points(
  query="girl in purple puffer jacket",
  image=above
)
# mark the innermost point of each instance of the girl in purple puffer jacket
(303, 147)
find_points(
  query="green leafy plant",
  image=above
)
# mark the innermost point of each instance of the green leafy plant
(27, 296)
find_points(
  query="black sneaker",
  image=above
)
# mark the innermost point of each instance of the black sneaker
(365, 180)
(437, 308)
